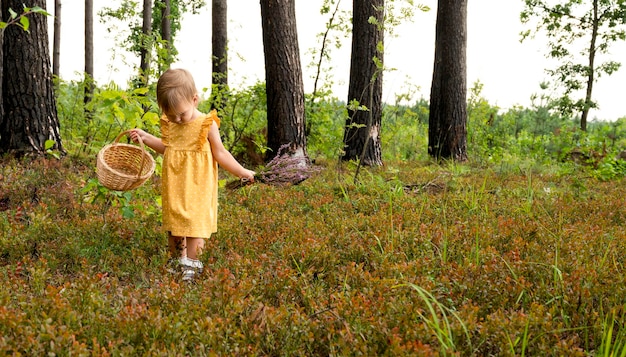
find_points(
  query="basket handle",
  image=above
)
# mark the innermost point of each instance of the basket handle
(143, 158)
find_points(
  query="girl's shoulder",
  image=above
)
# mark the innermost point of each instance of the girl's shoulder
(207, 120)
(207, 123)
(210, 118)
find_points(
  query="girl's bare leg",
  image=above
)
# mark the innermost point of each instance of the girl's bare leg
(192, 266)
(177, 246)
(194, 247)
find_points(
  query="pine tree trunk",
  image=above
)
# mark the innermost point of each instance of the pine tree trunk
(1, 69)
(220, 54)
(56, 47)
(447, 133)
(166, 35)
(89, 74)
(30, 113)
(283, 76)
(362, 132)
(146, 43)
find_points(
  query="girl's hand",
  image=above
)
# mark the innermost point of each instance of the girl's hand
(135, 134)
(248, 176)
(148, 140)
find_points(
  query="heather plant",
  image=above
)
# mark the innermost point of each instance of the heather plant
(282, 170)
(285, 169)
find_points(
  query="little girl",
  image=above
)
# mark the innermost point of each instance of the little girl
(192, 148)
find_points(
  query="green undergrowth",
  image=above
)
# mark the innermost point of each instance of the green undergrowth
(411, 259)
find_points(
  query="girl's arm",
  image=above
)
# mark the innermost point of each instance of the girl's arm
(148, 139)
(225, 158)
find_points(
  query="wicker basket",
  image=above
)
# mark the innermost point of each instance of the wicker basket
(123, 167)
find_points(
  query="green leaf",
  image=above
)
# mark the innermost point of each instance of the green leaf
(49, 144)
(141, 91)
(151, 118)
(39, 10)
(25, 23)
(127, 212)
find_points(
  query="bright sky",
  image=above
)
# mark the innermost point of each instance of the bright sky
(510, 71)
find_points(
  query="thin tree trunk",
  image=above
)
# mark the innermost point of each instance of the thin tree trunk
(89, 74)
(323, 50)
(220, 54)
(56, 47)
(592, 59)
(146, 43)
(1, 68)
(166, 34)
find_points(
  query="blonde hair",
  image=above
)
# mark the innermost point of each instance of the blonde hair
(175, 86)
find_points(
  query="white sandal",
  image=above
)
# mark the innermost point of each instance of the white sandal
(190, 268)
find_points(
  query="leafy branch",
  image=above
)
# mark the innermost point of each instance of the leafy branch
(22, 20)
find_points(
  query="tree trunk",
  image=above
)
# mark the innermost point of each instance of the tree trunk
(592, 69)
(89, 75)
(220, 54)
(56, 47)
(166, 34)
(447, 133)
(283, 77)
(1, 67)
(30, 113)
(146, 43)
(362, 132)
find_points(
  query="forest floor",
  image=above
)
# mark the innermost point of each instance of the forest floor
(412, 259)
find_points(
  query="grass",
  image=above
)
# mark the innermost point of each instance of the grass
(413, 259)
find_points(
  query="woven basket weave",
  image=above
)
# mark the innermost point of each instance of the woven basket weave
(124, 167)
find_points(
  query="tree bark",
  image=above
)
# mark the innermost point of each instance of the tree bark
(146, 43)
(166, 33)
(89, 74)
(220, 53)
(447, 133)
(1, 67)
(56, 47)
(362, 132)
(592, 69)
(30, 113)
(283, 77)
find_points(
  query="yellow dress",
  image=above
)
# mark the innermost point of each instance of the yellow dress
(189, 182)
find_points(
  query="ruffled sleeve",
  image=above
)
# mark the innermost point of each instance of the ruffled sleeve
(207, 121)
(165, 130)
(214, 117)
